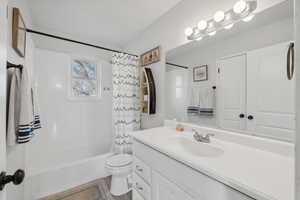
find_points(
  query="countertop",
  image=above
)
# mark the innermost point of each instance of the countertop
(260, 174)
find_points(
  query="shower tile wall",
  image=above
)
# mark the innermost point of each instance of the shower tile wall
(72, 130)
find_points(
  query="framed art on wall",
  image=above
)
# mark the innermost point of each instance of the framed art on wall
(150, 57)
(18, 33)
(85, 79)
(200, 73)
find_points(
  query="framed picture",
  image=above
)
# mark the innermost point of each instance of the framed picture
(150, 57)
(200, 73)
(18, 33)
(85, 79)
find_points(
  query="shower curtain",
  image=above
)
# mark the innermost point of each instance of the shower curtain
(126, 100)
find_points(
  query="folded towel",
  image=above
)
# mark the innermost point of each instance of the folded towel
(193, 109)
(206, 111)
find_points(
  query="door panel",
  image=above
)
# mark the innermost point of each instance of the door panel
(3, 31)
(270, 95)
(232, 84)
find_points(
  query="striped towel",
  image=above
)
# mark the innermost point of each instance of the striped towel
(29, 119)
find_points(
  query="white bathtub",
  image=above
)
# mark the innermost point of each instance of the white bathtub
(65, 177)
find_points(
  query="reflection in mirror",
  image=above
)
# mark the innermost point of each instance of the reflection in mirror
(239, 79)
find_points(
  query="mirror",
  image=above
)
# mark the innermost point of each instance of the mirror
(239, 79)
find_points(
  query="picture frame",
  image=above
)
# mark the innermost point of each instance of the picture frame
(150, 57)
(18, 33)
(85, 79)
(200, 73)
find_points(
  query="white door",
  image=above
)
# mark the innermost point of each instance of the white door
(232, 92)
(3, 31)
(177, 94)
(270, 95)
(163, 189)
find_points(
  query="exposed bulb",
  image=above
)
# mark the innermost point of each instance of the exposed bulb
(202, 25)
(229, 26)
(188, 31)
(196, 31)
(248, 18)
(212, 33)
(219, 16)
(240, 6)
(199, 38)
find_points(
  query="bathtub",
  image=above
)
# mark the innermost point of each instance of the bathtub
(64, 177)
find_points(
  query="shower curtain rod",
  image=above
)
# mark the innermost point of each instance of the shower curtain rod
(75, 41)
(175, 65)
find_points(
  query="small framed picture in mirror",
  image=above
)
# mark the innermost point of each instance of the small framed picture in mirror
(200, 73)
(18, 33)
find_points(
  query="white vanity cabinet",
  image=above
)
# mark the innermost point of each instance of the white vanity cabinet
(163, 189)
(255, 94)
(172, 180)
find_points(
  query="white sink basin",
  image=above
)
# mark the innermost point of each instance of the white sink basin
(196, 148)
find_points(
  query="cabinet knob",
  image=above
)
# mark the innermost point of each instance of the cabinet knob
(250, 117)
(242, 115)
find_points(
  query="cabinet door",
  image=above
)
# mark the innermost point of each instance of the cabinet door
(270, 95)
(163, 189)
(232, 92)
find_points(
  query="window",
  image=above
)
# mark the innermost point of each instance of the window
(84, 79)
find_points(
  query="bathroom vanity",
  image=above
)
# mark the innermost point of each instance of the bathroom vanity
(173, 165)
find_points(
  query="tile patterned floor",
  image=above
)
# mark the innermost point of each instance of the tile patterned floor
(95, 190)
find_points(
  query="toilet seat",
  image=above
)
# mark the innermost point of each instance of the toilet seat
(120, 160)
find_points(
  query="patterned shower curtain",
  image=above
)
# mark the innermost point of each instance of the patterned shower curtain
(126, 100)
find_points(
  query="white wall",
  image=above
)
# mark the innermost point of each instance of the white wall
(276, 32)
(16, 154)
(71, 130)
(168, 32)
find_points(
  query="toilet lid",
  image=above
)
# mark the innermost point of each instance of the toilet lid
(119, 160)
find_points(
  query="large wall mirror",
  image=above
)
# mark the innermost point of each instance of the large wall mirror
(239, 79)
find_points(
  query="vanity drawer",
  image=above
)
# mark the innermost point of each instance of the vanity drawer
(136, 195)
(141, 187)
(142, 169)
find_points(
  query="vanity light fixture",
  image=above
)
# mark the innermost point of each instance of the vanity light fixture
(219, 16)
(240, 7)
(241, 11)
(229, 26)
(248, 18)
(188, 31)
(212, 33)
(202, 25)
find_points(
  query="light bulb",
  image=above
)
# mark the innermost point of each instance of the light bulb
(199, 38)
(188, 31)
(202, 25)
(196, 31)
(219, 16)
(229, 26)
(239, 7)
(248, 18)
(212, 33)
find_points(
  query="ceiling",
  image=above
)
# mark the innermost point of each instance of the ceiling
(112, 22)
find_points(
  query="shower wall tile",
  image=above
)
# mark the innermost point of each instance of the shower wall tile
(71, 129)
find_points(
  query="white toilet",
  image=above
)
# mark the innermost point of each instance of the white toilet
(120, 166)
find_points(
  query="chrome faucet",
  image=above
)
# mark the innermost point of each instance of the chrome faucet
(201, 138)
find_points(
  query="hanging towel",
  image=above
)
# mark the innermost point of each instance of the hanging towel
(29, 119)
(13, 104)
